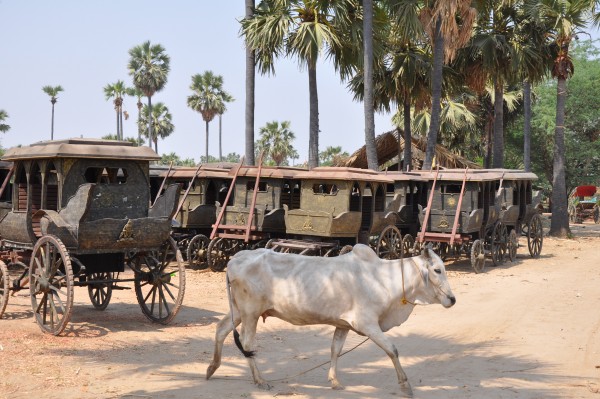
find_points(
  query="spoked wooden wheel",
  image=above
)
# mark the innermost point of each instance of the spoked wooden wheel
(100, 287)
(477, 256)
(345, 249)
(389, 244)
(220, 250)
(4, 288)
(596, 214)
(572, 211)
(535, 236)
(408, 243)
(513, 244)
(498, 243)
(418, 248)
(160, 282)
(197, 250)
(51, 284)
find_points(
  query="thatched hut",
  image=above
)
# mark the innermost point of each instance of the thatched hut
(387, 154)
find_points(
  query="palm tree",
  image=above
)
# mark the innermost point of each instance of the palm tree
(221, 109)
(160, 119)
(276, 141)
(332, 155)
(441, 21)
(3, 126)
(250, 86)
(297, 28)
(52, 91)
(370, 147)
(117, 91)
(567, 18)
(137, 93)
(209, 98)
(149, 67)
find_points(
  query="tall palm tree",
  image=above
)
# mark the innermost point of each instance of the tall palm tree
(448, 23)
(221, 109)
(276, 141)
(369, 109)
(250, 94)
(567, 18)
(208, 97)
(52, 91)
(296, 28)
(137, 93)
(149, 67)
(160, 119)
(116, 91)
(3, 126)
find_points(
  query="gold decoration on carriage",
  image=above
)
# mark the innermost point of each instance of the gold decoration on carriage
(240, 220)
(307, 224)
(443, 222)
(127, 232)
(451, 201)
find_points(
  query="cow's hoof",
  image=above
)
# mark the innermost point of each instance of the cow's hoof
(337, 386)
(406, 390)
(211, 370)
(264, 386)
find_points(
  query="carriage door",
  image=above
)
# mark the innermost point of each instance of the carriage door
(35, 187)
(290, 194)
(366, 212)
(51, 186)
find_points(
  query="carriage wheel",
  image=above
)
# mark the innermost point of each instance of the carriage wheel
(389, 244)
(408, 243)
(220, 250)
(4, 288)
(197, 250)
(498, 242)
(418, 248)
(51, 284)
(345, 249)
(572, 211)
(100, 293)
(513, 244)
(477, 256)
(535, 236)
(160, 282)
(596, 214)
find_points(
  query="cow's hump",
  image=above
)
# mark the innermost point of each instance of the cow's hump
(364, 253)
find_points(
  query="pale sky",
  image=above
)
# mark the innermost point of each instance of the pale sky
(83, 45)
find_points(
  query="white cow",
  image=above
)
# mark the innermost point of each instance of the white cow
(356, 291)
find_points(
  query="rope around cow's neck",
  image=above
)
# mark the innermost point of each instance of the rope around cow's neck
(404, 300)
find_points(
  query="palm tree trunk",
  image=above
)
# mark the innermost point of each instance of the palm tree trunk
(139, 105)
(436, 94)
(117, 111)
(527, 126)
(250, 86)
(407, 135)
(150, 121)
(489, 125)
(559, 225)
(371, 148)
(220, 147)
(498, 150)
(52, 124)
(206, 141)
(313, 134)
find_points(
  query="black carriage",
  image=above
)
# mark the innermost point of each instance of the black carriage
(80, 212)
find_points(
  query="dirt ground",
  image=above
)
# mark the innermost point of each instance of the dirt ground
(528, 329)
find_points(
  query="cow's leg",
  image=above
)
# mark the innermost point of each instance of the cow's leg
(224, 327)
(377, 336)
(249, 331)
(339, 337)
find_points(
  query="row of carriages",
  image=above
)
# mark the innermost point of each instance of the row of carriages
(97, 214)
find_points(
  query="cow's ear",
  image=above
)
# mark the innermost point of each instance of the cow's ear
(425, 273)
(426, 253)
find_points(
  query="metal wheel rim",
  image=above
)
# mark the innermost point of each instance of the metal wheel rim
(535, 236)
(389, 244)
(220, 251)
(197, 251)
(100, 294)
(160, 282)
(51, 285)
(4, 287)
(477, 256)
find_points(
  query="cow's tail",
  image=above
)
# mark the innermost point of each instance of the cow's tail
(236, 334)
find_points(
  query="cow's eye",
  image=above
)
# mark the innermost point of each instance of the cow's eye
(438, 271)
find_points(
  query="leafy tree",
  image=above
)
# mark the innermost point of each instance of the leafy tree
(149, 67)
(116, 91)
(52, 91)
(333, 156)
(167, 159)
(160, 120)
(3, 126)
(208, 98)
(133, 140)
(276, 142)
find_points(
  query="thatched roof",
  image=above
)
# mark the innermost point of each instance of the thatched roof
(387, 151)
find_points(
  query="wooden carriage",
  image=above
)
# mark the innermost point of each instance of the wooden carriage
(518, 214)
(256, 212)
(80, 212)
(202, 188)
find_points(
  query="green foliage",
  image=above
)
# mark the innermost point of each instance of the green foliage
(133, 140)
(332, 156)
(3, 126)
(167, 159)
(276, 143)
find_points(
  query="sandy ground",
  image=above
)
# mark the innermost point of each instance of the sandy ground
(528, 329)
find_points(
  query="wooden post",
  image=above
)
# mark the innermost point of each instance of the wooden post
(187, 190)
(457, 214)
(421, 237)
(162, 185)
(7, 179)
(224, 205)
(251, 214)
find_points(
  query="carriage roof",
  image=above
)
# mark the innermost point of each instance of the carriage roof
(475, 175)
(275, 172)
(344, 173)
(512, 174)
(207, 170)
(81, 148)
(405, 176)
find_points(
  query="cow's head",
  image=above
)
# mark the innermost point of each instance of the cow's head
(435, 287)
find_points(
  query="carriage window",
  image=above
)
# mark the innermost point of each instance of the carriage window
(105, 175)
(451, 189)
(326, 189)
(355, 198)
(262, 186)
(389, 188)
